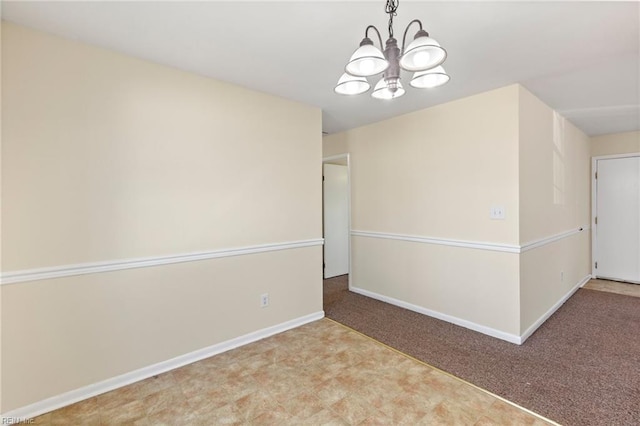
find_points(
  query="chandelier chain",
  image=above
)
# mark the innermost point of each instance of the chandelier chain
(391, 8)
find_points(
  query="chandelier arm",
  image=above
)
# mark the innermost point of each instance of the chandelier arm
(404, 38)
(366, 35)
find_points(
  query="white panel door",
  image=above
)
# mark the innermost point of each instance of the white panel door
(336, 220)
(618, 219)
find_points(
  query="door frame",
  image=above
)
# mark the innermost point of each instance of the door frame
(594, 202)
(345, 158)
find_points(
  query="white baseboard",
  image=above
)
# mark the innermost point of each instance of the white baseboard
(67, 398)
(554, 308)
(512, 338)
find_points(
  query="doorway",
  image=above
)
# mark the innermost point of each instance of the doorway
(616, 218)
(336, 215)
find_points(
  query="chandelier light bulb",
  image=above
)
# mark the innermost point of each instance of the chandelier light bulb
(367, 66)
(422, 53)
(388, 89)
(429, 79)
(367, 60)
(422, 58)
(351, 85)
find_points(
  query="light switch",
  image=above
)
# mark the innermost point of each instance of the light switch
(497, 212)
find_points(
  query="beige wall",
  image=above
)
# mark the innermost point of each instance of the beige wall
(107, 157)
(554, 172)
(541, 284)
(436, 173)
(334, 144)
(63, 334)
(554, 199)
(478, 286)
(120, 158)
(617, 143)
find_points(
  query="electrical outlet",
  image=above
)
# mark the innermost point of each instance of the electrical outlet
(264, 300)
(497, 212)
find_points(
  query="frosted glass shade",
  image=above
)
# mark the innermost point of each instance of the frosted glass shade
(422, 54)
(430, 78)
(351, 85)
(366, 61)
(382, 90)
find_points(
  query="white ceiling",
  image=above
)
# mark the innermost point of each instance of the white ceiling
(581, 58)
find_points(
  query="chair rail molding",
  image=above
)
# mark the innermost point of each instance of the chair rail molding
(479, 245)
(14, 277)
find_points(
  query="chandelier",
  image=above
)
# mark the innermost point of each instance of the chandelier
(423, 56)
